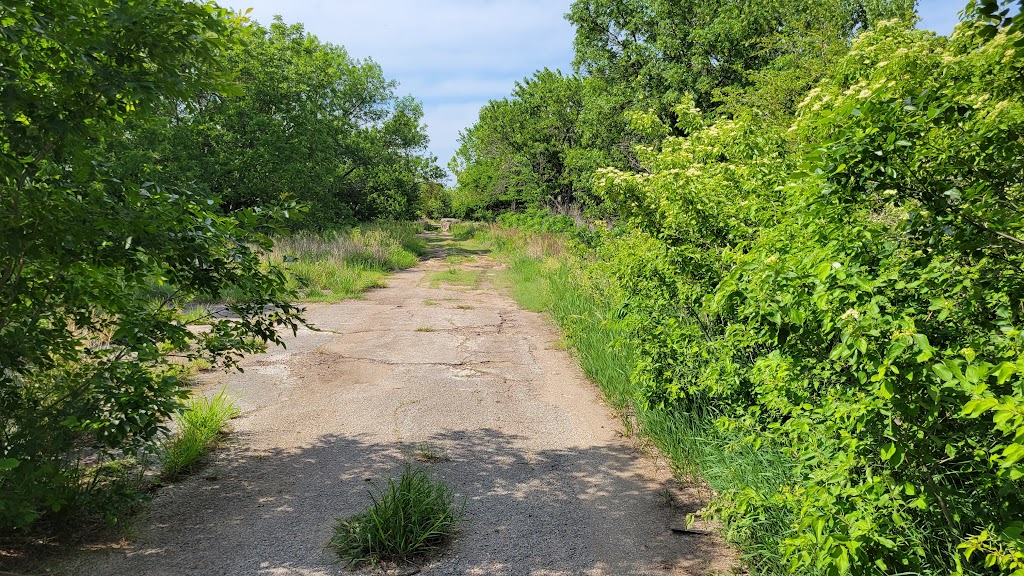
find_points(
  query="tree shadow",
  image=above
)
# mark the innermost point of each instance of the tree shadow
(441, 247)
(529, 511)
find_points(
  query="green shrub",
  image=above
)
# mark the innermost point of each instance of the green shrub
(410, 517)
(462, 231)
(200, 422)
(846, 295)
(824, 321)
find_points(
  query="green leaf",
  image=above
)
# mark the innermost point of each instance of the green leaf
(975, 408)
(1011, 455)
(887, 389)
(888, 451)
(1005, 371)
(9, 464)
(942, 372)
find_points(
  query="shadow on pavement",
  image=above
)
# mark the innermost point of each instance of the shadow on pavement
(531, 512)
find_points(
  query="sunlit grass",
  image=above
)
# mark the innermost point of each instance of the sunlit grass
(412, 516)
(454, 277)
(200, 422)
(342, 265)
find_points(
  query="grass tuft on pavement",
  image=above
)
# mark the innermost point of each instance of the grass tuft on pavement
(200, 422)
(413, 516)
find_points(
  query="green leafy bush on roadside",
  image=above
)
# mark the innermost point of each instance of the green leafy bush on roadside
(849, 292)
(94, 260)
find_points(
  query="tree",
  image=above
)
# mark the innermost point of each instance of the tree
(307, 122)
(530, 150)
(654, 52)
(92, 267)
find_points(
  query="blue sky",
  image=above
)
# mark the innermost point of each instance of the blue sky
(456, 55)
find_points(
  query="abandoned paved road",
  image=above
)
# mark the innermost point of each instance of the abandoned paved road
(458, 380)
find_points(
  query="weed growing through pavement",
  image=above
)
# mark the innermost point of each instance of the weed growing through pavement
(200, 423)
(410, 517)
(430, 454)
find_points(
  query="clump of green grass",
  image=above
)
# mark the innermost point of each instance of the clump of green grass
(525, 279)
(466, 230)
(200, 421)
(409, 518)
(195, 313)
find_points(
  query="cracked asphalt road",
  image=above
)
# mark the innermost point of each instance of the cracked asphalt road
(459, 376)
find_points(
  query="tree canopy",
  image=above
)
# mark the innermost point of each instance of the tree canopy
(148, 152)
(302, 121)
(636, 62)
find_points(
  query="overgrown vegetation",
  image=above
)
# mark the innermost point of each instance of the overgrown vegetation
(330, 267)
(150, 151)
(303, 121)
(92, 263)
(200, 422)
(411, 517)
(635, 63)
(810, 293)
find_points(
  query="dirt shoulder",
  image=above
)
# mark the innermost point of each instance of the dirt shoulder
(456, 379)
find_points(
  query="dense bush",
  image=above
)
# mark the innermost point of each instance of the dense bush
(92, 266)
(848, 292)
(303, 120)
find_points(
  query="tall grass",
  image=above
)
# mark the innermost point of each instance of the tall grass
(200, 422)
(340, 265)
(581, 297)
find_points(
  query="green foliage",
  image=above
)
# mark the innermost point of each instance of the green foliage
(537, 220)
(642, 67)
(200, 422)
(92, 266)
(818, 290)
(411, 517)
(847, 293)
(653, 53)
(462, 231)
(518, 154)
(304, 121)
